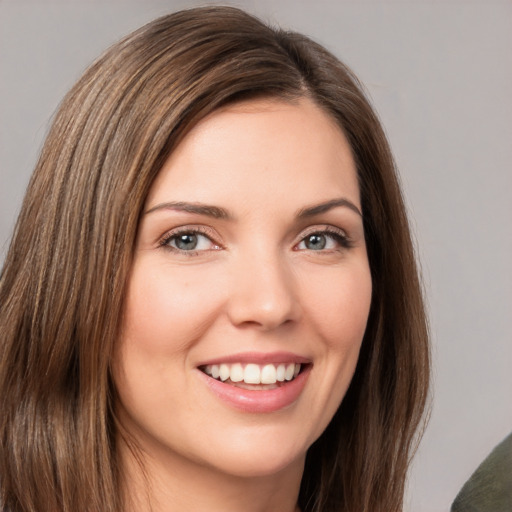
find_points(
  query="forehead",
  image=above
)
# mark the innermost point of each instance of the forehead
(267, 146)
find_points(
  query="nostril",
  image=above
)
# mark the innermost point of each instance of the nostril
(246, 310)
(263, 292)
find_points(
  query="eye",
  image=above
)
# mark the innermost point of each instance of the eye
(324, 240)
(189, 240)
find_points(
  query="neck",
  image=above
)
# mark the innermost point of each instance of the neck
(172, 484)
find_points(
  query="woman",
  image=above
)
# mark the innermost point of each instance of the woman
(211, 299)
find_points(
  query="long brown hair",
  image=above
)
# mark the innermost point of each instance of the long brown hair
(64, 279)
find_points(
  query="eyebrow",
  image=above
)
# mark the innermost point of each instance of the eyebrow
(217, 212)
(197, 208)
(325, 207)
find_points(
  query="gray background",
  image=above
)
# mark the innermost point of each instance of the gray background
(440, 75)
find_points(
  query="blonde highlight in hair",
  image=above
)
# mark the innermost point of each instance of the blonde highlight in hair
(63, 283)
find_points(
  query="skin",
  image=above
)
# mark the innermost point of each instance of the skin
(254, 283)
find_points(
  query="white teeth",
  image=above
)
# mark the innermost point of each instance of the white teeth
(268, 374)
(290, 370)
(280, 373)
(224, 372)
(253, 373)
(237, 373)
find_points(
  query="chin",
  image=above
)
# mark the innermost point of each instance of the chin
(259, 452)
(259, 465)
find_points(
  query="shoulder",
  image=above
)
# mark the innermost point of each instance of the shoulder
(489, 488)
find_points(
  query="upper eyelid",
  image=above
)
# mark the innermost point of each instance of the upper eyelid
(323, 228)
(201, 230)
(338, 234)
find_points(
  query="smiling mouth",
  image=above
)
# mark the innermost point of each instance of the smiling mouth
(254, 376)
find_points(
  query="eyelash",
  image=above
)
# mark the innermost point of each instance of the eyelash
(336, 234)
(196, 230)
(339, 236)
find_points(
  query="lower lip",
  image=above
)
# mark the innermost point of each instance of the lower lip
(254, 401)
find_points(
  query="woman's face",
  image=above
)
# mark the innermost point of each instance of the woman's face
(250, 265)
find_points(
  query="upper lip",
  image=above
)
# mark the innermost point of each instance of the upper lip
(258, 358)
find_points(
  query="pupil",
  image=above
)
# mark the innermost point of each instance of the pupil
(316, 242)
(186, 242)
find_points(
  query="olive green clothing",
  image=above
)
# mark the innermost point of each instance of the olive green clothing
(490, 487)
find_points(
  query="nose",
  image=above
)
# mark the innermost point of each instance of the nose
(263, 293)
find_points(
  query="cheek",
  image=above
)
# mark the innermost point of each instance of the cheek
(166, 313)
(166, 310)
(340, 309)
